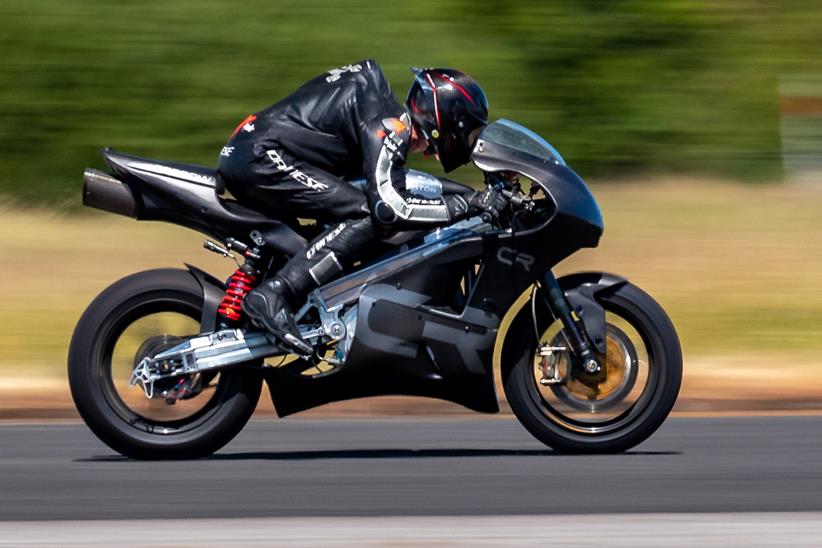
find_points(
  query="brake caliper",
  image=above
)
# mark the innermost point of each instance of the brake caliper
(549, 358)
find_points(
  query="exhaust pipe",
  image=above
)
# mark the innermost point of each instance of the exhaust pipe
(102, 191)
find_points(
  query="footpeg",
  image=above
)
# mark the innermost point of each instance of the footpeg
(300, 346)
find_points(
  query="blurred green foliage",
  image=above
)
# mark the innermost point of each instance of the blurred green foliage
(620, 87)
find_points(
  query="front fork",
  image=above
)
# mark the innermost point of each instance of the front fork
(574, 330)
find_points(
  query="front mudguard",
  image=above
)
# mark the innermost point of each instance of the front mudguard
(213, 292)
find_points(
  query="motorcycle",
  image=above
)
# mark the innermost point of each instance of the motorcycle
(163, 364)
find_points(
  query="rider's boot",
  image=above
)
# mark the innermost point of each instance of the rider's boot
(271, 307)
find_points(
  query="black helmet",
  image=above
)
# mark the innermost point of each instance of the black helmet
(446, 105)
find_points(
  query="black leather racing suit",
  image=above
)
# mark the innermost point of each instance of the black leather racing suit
(292, 158)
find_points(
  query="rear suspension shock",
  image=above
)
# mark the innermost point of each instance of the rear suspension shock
(240, 284)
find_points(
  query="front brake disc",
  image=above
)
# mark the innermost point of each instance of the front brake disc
(595, 393)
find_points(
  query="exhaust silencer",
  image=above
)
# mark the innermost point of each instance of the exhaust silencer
(102, 191)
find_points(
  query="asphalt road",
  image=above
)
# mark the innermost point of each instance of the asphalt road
(391, 467)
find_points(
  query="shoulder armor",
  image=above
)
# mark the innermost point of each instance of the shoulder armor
(397, 126)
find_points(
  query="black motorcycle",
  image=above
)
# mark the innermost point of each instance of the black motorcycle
(163, 363)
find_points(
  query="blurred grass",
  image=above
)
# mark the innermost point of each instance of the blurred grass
(735, 266)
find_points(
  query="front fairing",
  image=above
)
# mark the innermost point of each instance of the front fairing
(506, 146)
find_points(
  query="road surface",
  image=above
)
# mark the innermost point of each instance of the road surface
(420, 482)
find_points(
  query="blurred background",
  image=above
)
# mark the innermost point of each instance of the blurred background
(698, 124)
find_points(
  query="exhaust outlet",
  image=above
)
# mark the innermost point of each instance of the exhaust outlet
(102, 191)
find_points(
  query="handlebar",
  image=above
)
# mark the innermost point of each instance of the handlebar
(518, 199)
(504, 185)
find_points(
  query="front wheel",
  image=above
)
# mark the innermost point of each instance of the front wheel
(141, 315)
(573, 411)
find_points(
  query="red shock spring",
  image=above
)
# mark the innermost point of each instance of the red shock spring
(239, 285)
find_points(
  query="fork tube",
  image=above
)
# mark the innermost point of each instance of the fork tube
(561, 310)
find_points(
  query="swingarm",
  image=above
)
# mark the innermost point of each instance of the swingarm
(199, 354)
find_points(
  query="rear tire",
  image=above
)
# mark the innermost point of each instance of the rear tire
(92, 387)
(639, 421)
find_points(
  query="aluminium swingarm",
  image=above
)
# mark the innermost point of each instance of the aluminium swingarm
(208, 352)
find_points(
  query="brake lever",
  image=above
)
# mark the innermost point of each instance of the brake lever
(518, 199)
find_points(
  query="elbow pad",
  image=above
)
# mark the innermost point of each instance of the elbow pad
(383, 213)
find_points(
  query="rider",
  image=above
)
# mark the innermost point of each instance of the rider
(293, 158)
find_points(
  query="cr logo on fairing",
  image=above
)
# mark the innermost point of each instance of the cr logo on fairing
(508, 256)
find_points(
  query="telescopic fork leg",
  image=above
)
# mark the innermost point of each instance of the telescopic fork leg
(575, 334)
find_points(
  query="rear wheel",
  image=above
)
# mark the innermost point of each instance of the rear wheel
(139, 316)
(614, 410)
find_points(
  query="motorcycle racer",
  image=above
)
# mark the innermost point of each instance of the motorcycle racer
(294, 157)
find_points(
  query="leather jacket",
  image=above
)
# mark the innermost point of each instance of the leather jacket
(348, 123)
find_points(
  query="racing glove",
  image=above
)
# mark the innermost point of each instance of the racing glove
(489, 201)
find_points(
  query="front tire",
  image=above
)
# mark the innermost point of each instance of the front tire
(597, 425)
(219, 414)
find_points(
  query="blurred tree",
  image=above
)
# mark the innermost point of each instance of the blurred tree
(621, 87)
(633, 85)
